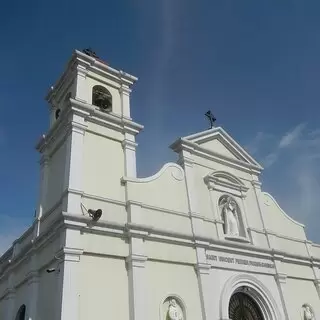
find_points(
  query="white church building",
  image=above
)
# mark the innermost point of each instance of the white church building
(199, 240)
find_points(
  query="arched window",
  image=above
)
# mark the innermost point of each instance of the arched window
(102, 98)
(21, 314)
(242, 306)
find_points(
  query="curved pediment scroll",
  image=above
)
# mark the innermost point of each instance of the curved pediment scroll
(225, 181)
(176, 171)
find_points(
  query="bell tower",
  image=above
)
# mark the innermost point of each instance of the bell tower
(90, 144)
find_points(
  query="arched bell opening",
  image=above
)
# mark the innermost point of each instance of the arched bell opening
(102, 98)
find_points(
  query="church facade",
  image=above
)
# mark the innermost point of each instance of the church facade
(197, 240)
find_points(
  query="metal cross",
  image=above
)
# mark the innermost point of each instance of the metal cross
(210, 117)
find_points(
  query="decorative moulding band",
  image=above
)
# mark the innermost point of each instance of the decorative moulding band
(125, 124)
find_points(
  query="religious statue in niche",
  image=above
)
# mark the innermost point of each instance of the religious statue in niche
(230, 216)
(307, 312)
(174, 311)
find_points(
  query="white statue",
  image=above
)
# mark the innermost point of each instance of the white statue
(307, 312)
(173, 311)
(230, 217)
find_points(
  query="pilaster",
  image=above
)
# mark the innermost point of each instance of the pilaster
(10, 296)
(9, 301)
(68, 283)
(82, 90)
(244, 209)
(125, 100)
(216, 214)
(33, 290)
(317, 285)
(205, 286)
(138, 290)
(74, 165)
(257, 191)
(281, 280)
(129, 148)
(186, 162)
(44, 178)
(315, 266)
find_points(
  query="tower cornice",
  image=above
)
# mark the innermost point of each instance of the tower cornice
(91, 114)
(84, 63)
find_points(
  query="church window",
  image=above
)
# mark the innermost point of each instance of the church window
(101, 98)
(21, 314)
(242, 306)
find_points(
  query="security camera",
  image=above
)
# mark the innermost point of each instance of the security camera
(50, 270)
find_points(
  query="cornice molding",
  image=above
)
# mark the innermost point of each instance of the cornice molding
(125, 90)
(129, 144)
(33, 277)
(85, 65)
(203, 268)
(9, 294)
(281, 277)
(136, 261)
(69, 254)
(78, 222)
(116, 122)
(257, 184)
(214, 156)
(68, 123)
(193, 145)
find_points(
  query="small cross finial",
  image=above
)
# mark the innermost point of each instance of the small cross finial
(211, 118)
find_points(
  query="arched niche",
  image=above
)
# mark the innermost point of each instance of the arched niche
(172, 304)
(232, 217)
(307, 312)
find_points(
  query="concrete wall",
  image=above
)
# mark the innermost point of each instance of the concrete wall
(104, 288)
(56, 177)
(103, 166)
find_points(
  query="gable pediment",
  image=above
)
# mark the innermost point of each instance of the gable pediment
(218, 143)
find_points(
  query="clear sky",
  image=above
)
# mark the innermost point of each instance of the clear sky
(255, 64)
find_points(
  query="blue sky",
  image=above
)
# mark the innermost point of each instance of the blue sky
(255, 64)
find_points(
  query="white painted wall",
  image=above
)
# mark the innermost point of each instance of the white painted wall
(104, 288)
(56, 177)
(166, 279)
(299, 292)
(103, 167)
(48, 295)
